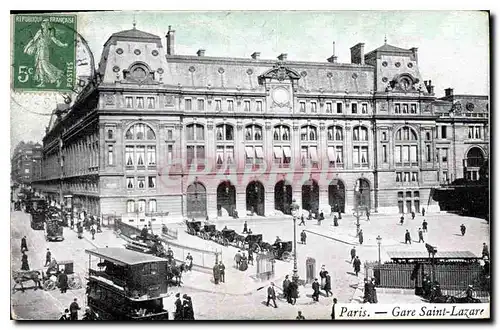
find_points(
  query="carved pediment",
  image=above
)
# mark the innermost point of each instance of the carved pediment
(279, 72)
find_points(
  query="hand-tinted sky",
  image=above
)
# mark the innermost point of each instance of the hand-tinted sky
(453, 45)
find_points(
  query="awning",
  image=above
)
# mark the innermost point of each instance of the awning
(259, 153)
(313, 153)
(277, 152)
(331, 154)
(249, 152)
(287, 151)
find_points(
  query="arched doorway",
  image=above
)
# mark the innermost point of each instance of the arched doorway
(362, 194)
(226, 198)
(196, 197)
(474, 161)
(255, 197)
(336, 195)
(283, 196)
(310, 196)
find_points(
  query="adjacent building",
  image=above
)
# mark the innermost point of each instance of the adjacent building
(200, 135)
(26, 163)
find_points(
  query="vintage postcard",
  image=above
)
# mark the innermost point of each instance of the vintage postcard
(245, 165)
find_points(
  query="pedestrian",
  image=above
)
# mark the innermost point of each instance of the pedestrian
(333, 308)
(423, 212)
(462, 229)
(367, 215)
(293, 292)
(412, 215)
(72, 222)
(216, 271)
(407, 237)
(73, 309)
(244, 262)
(222, 272)
(315, 287)
(303, 237)
(353, 253)
(420, 236)
(178, 314)
(65, 316)
(360, 236)
(250, 256)
(271, 295)
(245, 228)
(63, 282)
(300, 316)
(144, 232)
(366, 291)
(24, 262)
(485, 252)
(357, 265)
(373, 287)
(328, 284)
(99, 230)
(340, 215)
(48, 257)
(321, 218)
(322, 276)
(237, 259)
(335, 221)
(80, 231)
(402, 220)
(286, 283)
(424, 226)
(302, 222)
(187, 306)
(93, 230)
(24, 245)
(189, 261)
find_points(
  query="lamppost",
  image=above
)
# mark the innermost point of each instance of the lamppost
(379, 242)
(295, 209)
(357, 197)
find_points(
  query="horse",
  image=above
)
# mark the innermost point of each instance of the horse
(174, 271)
(24, 276)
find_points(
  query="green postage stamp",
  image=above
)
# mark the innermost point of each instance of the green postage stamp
(44, 52)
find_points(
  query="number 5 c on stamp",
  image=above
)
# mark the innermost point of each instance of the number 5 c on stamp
(44, 48)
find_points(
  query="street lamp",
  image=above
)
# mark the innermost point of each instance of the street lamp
(357, 196)
(379, 242)
(295, 210)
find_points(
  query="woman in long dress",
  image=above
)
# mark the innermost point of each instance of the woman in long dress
(45, 72)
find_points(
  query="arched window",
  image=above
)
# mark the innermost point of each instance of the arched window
(360, 146)
(406, 147)
(406, 134)
(335, 133)
(359, 133)
(195, 135)
(308, 133)
(309, 146)
(253, 133)
(281, 146)
(335, 150)
(130, 206)
(224, 132)
(140, 150)
(281, 133)
(224, 135)
(254, 152)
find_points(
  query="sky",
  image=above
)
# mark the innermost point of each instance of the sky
(453, 46)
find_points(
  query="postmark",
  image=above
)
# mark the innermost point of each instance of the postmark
(44, 52)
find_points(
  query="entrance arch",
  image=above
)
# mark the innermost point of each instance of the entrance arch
(310, 196)
(474, 161)
(255, 197)
(336, 195)
(226, 198)
(362, 194)
(283, 196)
(196, 196)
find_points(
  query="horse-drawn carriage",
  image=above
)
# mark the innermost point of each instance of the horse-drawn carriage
(282, 250)
(253, 242)
(193, 227)
(226, 236)
(208, 231)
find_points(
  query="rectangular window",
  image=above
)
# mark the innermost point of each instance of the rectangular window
(354, 108)
(471, 133)
(331, 156)
(152, 206)
(169, 134)
(397, 108)
(230, 155)
(339, 107)
(139, 155)
(140, 103)
(190, 155)
(302, 106)
(218, 105)
(128, 101)
(141, 206)
(397, 154)
(414, 177)
(151, 102)
(230, 105)
(201, 105)
(406, 177)
(141, 182)
(129, 156)
(355, 155)
(110, 155)
(188, 104)
(200, 153)
(413, 108)
(246, 106)
(477, 134)
(445, 176)
(399, 177)
(329, 108)
(151, 182)
(314, 107)
(413, 154)
(130, 206)
(259, 106)
(130, 183)
(169, 154)
(405, 108)
(364, 108)
(151, 155)
(428, 153)
(443, 132)
(406, 154)
(364, 155)
(384, 153)
(249, 155)
(445, 155)
(219, 155)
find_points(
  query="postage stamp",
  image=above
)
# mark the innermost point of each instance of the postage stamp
(44, 52)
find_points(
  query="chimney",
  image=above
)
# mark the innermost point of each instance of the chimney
(282, 56)
(358, 54)
(414, 51)
(448, 92)
(170, 41)
(333, 58)
(200, 52)
(255, 55)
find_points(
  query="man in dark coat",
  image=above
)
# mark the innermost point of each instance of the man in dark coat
(315, 287)
(424, 226)
(302, 222)
(333, 308)
(367, 292)
(187, 306)
(303, 237)
(222, 272)
(24, 245)
(335, 221)
(250, 257)
(73, 309)
(237, 259)
(293, 292)
(271, 295)
(328, 284)
(24, 262)
(245, 228)
(322, 276)
(286, 288)
(423, 212)
(360, 237)
(80, 231)
(63, 282)
(357, 265)
(353, 253)
(412, 215)
(216, 270)
(485, 252)
(48, 257)
(407, 237)
(374, 291)
(462, 229)
(144, 232)
(300, 316)
(420, 236)
(178, 314)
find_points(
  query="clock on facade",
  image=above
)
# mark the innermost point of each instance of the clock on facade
(281, 96)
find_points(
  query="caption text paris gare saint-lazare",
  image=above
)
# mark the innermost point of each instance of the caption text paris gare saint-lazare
(422, 311)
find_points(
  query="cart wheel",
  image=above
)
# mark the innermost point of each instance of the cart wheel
(225, 242)
(256, 248)
(74, 282)
(49, 285)
(286, 256)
